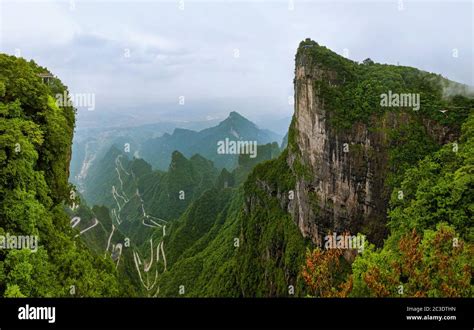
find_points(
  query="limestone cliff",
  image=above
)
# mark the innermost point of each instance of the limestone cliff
(341, 153)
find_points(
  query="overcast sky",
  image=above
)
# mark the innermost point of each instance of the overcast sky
(238, 56)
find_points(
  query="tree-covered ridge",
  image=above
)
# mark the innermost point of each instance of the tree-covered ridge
(353, 94)
(348, 98)
(236, 240)
(205, 244)
(221, 247)
(438, 189)
(166, 194)
(200, 208)
(35, 148)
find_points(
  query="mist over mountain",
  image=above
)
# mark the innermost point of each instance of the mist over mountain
(156, 142)
(277, 125)
(91, 144)
(235, 127)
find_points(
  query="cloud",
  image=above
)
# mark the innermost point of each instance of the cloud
(226, 51)
(31, 25)
(152, 42)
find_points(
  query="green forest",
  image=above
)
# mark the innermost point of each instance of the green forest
(35, 140)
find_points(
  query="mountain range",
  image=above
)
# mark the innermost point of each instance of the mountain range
(155, 144)
(157, 151)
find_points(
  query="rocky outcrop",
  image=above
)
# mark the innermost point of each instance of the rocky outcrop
(344, 189)
(343, 165)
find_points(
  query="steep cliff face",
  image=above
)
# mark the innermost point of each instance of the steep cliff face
(344, 151)
(346, 179)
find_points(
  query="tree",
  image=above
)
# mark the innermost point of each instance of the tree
(435, 264)
(322, 273)
(367, 61)
(35, 147)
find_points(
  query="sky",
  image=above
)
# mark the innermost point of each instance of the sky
(141, 58)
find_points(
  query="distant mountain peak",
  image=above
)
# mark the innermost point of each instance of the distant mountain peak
(159, 151)
(235, 114)
(177, 156)
(236, 121)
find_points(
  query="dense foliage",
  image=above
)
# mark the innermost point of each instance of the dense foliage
(430, 250)
(35, 148)
(354, 94)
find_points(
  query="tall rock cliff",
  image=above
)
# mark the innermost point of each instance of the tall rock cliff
(347, 149)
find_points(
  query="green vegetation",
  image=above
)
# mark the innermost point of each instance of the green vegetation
(203, 249)
(272, 251)
(430, 245)
(439, 189)
(211, 247)
(35, 148)
(433, 264)
(354, 93)
(409, 143)
(430, 250)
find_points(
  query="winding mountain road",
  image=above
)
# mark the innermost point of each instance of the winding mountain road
(143, 267)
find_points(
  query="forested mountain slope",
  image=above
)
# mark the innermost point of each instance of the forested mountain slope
(35, 149)
(167, 216)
